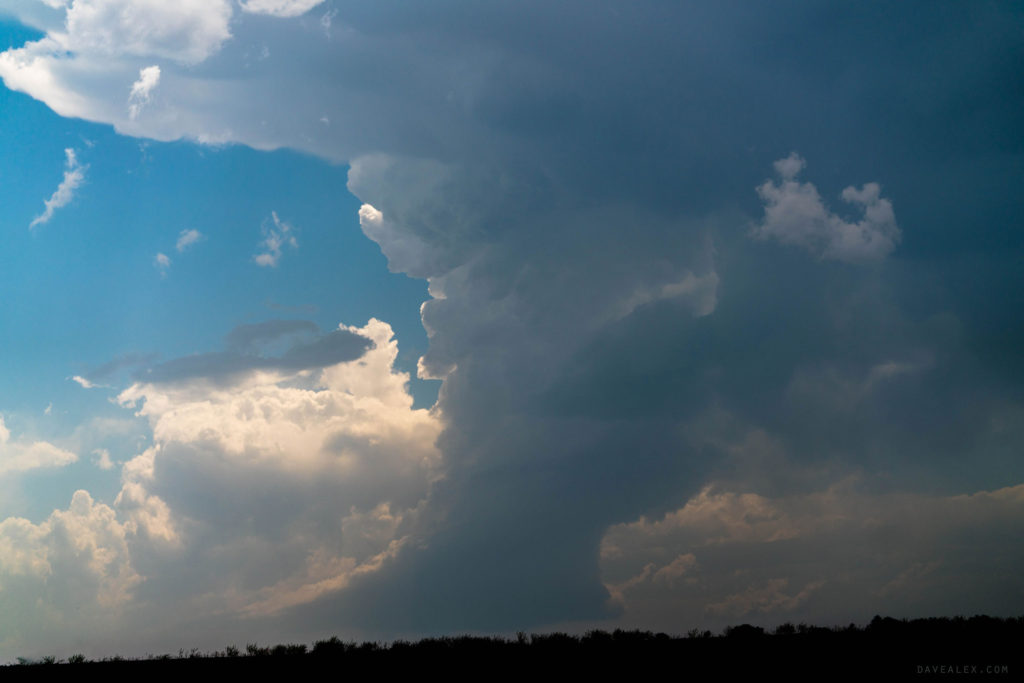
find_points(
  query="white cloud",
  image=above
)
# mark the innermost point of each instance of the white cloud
(74, 176)
(22, 456)
(142, 90)
(188, 31)
(299, 484)
(187, 238)
(329, 469)
(102, 459)
(83, 382)
(162, 263)
(405, 252)
(279, 8)
(82, 65)
(74, 564)
(276, 236)
(795, 214)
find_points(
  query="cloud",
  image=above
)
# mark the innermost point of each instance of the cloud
(768, 598)
(83, 382)
(142, 89)
(22, 456)
(75, 563)
(279, 8)
(245, 360)
(251, 337)
(187, 238)
(609, 337)
(806, 557)
(266, 455)
(108, 370)
(275, 237)
(406, 253)
(513, 304)
(162, 263)
(795, 214)
(296, 492)
(325, 21)
(829, 386)
(102, 459)
(74, 176)
(187, 31)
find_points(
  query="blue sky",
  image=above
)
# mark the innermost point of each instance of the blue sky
(90, 291)
(363, 318)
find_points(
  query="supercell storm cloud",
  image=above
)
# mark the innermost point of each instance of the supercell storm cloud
(721, 303)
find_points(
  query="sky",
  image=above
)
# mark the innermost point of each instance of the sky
(387, 319)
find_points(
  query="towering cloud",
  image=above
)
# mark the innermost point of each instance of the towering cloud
(254, 498)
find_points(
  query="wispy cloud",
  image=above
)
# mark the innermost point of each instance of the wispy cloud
(83, 382)
(187, 238)
(162, 263)
(20, 456)
(102, 459)
(279, 235)
(74, 176)
(326, 19)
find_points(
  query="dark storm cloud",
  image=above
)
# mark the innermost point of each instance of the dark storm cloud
(579, 182)
(631, 142)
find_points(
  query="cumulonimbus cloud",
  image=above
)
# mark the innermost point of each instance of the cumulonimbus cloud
(593, 293)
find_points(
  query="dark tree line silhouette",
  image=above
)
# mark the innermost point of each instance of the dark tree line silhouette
(936, 646)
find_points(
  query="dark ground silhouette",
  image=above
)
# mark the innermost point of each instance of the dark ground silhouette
(938, 647)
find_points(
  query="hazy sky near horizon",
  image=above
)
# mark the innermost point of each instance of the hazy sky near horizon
(389, 319)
